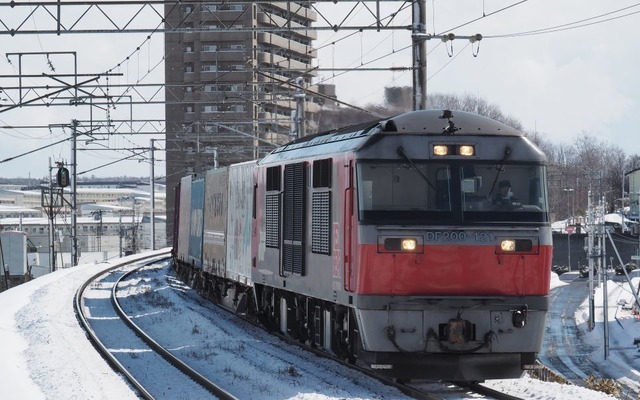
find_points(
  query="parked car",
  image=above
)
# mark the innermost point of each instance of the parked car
(629, 267)
(560, 269)
(584, 271)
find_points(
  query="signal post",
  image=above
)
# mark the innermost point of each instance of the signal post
(52, 200)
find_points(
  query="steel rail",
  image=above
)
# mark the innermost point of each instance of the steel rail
(166, 354)
(78, 306)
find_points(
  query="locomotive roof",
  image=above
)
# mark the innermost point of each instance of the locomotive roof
(425, 122)
(438, 122)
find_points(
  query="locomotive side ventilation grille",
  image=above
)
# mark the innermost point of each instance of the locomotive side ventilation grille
(272, 206)
(320, 215)
(272, 219)
(293, 219)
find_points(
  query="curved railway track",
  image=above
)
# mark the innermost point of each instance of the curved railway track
(421, 391)
(142, 361)
(151, 369)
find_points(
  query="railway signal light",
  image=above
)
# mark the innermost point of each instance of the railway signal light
(62, 177)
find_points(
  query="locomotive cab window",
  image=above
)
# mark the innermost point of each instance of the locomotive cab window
(400, 192)
(454, 192)
(497, 193)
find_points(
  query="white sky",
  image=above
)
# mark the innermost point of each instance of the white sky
(560, 83)
(45, 354)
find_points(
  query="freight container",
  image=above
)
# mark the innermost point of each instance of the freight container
(183, 219)
(215, 223)
(240, 218)
(196, 222)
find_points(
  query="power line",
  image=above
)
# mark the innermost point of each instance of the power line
(483, 16)
(572, 25)
(558, 28)
(34, 150)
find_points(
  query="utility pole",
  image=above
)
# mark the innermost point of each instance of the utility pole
(51, 202)
(120, 231)
(74, 192)
(569, 230)
(52, 216)
(605, 297)
(636, 258)
(298, 120)
(418, 33)
(152, 214)
(134, 230)
(590, 252)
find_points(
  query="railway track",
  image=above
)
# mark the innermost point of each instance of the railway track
(422, 391)
(113, 299)
(415, 390)
(151, 369)
(430, 391)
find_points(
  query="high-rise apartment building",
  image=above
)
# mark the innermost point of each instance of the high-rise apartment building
(234, 75)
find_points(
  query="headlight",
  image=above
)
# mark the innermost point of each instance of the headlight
(400, 244)
(508, 245)
(408, 244)
(466, 150)
(440, 150)
(518, 246)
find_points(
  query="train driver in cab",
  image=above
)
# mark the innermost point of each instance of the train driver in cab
(504, 199)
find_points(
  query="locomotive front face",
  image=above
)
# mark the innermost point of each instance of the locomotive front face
(421, 251)
(454, 251)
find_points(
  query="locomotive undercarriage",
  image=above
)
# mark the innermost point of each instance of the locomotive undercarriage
(313, 322)
(334, 328)
(452, 339)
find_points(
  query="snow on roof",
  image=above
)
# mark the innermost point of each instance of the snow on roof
(613, 218)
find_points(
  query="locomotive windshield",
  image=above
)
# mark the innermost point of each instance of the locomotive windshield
(419, 193)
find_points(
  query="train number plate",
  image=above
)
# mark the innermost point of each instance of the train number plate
(458, 236)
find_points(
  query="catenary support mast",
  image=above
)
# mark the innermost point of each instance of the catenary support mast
(74, 192)
(418, 30)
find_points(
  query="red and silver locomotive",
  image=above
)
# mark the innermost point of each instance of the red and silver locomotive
(419, 245)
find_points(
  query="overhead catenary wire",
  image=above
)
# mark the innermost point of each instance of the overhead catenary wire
(128, 59)
(34, 150)
(571, 25)
(558, 28)
(484, 15)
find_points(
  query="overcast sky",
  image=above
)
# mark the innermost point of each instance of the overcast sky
(558, 83)
(577, 74)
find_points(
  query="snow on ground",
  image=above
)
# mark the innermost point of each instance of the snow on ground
(623, 329)
(46, 355)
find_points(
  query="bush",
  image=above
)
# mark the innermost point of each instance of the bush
(608, 386)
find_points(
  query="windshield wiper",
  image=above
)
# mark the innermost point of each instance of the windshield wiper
(507, 154)
(404, 155)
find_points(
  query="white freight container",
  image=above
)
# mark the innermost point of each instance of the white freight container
(183, 222)
(240, 217)
(215, 222)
